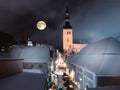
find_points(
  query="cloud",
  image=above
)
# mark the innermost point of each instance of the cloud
(91, 19)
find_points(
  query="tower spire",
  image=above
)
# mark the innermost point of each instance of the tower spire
(67, 18)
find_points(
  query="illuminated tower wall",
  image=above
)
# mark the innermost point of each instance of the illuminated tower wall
(67, 39)
(67, 33)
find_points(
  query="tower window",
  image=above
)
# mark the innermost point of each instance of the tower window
(67, 40)
(68, 32)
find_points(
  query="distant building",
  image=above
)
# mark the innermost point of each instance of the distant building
(68, 45)
(34, 57)
(97, 65)
(29, 42)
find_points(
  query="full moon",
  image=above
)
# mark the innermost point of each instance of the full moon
(41, 25)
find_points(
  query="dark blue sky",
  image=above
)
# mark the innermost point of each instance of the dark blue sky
(91, 20)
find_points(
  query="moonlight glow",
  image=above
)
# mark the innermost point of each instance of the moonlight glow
(41, 25)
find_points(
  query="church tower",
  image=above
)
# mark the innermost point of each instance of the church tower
(67, 33)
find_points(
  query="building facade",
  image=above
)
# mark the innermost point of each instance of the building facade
(97, 65)
(68, 45)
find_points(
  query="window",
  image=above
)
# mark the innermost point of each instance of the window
(67, 40)
(86, 85)
(69, 32)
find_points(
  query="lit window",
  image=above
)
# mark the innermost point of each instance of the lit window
(67, 40)
(68, 32)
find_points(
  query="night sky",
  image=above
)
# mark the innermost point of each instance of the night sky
(91, 20)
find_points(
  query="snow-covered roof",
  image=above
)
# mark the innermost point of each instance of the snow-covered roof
(101, 57)
(30, 54)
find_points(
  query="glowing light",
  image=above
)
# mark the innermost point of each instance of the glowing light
(41, 25)
(52, 67)
(80, 79)
(72, 74)
(67, 71)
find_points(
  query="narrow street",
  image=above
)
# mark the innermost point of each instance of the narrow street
(58, 76)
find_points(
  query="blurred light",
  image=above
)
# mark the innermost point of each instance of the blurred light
(85, 88)
(80, 79)
(72, 74)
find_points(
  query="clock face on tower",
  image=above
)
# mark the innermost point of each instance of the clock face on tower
(41, 25)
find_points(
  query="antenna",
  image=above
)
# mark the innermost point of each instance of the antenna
(67, 6)
(67, 2)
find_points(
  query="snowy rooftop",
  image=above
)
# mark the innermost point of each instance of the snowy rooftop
(101, 57)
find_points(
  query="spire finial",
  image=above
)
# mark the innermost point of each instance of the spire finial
(67, 18)
(67, 11)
